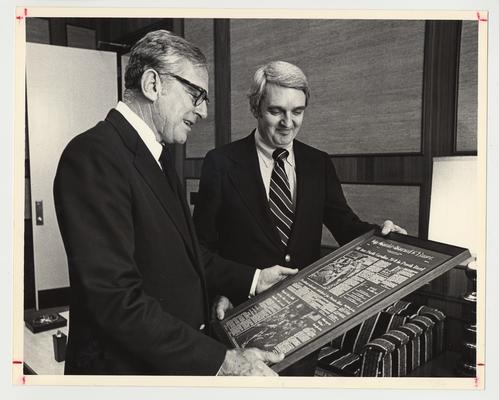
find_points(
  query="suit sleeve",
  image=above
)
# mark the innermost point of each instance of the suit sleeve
(94, 207)
(223, 276)
(339, 218)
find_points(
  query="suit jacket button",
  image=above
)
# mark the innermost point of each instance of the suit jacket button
(287, 258)
(201, 327)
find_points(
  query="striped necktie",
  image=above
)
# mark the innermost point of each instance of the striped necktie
(281, 205)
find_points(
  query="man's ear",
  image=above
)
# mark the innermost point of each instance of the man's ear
(150, 84)
(255, 112)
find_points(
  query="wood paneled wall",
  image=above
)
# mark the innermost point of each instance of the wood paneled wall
(84, 38)
(37, 30)
(365, 77)
(466, 135)
(202, 137)
(375, 202)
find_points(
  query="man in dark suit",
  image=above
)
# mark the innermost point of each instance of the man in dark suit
(139, 298)
(263, 199)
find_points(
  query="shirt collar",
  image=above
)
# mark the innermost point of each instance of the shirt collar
(265, 151)
(144, 131)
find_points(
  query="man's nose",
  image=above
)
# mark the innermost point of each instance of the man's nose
(286, 120)
(202, 110)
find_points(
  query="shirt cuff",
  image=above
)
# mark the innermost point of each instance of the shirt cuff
(252, 292)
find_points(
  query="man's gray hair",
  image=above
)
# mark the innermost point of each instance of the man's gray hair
(279, 73)
(162, 51)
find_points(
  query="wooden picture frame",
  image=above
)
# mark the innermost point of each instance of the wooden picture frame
(324, 300)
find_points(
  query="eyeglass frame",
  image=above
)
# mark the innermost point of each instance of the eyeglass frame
(197, 100)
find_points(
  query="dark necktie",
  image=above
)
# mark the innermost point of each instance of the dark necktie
(165, 160)
(281, 205)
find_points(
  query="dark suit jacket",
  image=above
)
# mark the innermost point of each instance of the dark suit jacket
(232, 214)
(138, 290)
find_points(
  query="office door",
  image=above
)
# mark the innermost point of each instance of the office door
(68, 91)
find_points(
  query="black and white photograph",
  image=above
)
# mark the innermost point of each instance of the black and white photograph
(179, 165)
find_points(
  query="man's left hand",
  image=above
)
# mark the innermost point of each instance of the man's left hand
(220, 307)
(389, 226)
(271, 275)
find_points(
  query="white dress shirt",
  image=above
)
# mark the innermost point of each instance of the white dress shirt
(145, 133)
(267, 162)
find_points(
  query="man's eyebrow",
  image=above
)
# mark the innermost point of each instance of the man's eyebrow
(275, 107)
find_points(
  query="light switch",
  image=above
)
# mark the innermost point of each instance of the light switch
(39, 212)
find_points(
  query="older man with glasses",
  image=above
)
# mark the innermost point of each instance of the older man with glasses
(139, 292)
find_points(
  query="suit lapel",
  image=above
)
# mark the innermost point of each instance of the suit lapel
(247, 179)
(155, 179)
(190, 226)
(168, 199)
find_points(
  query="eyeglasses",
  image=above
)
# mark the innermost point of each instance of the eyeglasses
(200, 95)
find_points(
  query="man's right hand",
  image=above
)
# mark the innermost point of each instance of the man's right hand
(272, 275)
(246, 362)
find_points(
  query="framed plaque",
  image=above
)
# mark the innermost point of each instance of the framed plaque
(304, 312)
